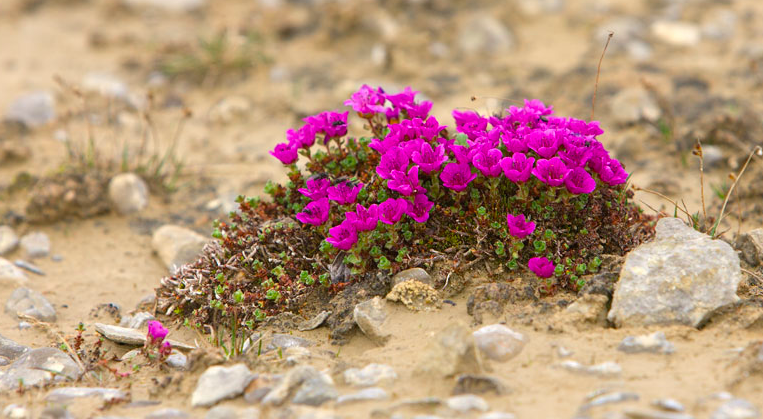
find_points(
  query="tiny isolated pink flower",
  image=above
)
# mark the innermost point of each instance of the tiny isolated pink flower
(391, 210)
(315, 213)
(541, 267)
(316, 188)
(550, 172)
(456, 176)
(579, 181)
(419, 208)
(156, 332)
(406, 184)
(344, 192)
(343, 236)
(165, 350)
(519, 227)
(364, 219)
(286, 153)
(518, 167)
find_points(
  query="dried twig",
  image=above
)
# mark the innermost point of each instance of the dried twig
(598, 70)
(49, 329)
(757, 150)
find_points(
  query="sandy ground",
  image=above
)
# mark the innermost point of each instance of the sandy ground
(327, 55)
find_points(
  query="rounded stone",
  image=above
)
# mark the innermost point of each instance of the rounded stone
(128, 193)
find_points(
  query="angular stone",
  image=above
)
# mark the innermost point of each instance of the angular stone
(168, 413)
(654, 343)
(219, 383)
(31, 303)
(605, 369)
(38, 367)
(68, 393)
(10, 274)
(32, 110)
(260, 387)
(285, 341)
(653, 414)
(478, 384)
(415, 295)
(451, 351)
(589, 309)
(370, 375)
(467, 403)
(736, 409)
(371, 393)
(8, 239)
(609, 398)
(308, 385)
(10, 349)
(498, 342)
(177, 245)
(128, 193)
(16, 411)
(679, 278)
(417, 274)
(750, 244)
(314, 322)
(371, 317)
(35, 244)
(129, 336)
(137, 320)
(497, 415)
(670, 405)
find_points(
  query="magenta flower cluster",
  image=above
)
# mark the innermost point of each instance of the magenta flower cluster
(528, 145)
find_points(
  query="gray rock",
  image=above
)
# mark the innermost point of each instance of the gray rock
(128, 193)
(28, 267)
(371, 317)
(639, 50)
(167, 5)
(36, 244)
(712, 156)
(736, 409)
(498, 342)
(56, 412)
(655, 343)
(32, 109)
(634, 104)
(497, 415)
(466, 403)
(227, 412)
(4, 361)
(371, 393)
(129, 336)
(312, 386)
(39, 366)
(177, 360)
(609, 398)
(314, 322)
(261, 386)
(285, 341)
(370, 375)
(670, 405)
(219, 383)
(451, 351)
(652, 414)
(680, 277)
(177, 246)
(679, 34)
(110, 86)
(417, 274)
(10, 274)
(484, 34)
(605, 369)
(31, 303)
(478, 384)
(10, 349)
(588, 310)
(68, 393)
(137, 320)
(168, 413)
(8, 239)
(751, 246)
(16, 411)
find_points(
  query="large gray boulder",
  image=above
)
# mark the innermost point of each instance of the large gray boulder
(679, 278)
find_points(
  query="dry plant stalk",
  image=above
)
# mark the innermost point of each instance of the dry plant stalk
(598, 71)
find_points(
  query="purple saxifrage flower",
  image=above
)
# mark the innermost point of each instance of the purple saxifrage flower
(406, 184)
(419, 208)
(545, 143)
(315, 213)
(286, 153)
(519, 227)
(316, 188)
(156, 332)
(488, 162)
(518, 167)
(579, 181)
(303, 137)
(343, 236)
(331, 124)
(366, 101)
(551, 172)
(456, 176)
(429, 159)
(364, 219)
(612, 172)
(391, 210)
(541, 266)
(394, 159)
(344, 192)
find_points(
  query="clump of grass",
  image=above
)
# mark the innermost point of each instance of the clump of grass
(213, 58)
(534, 193)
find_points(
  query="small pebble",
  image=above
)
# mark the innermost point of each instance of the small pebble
(29, 267)
(670, 405)
(36, 244)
